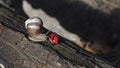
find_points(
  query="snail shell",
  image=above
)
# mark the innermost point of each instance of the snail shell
(34, 29)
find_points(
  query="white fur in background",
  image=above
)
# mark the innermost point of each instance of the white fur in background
(49, 22)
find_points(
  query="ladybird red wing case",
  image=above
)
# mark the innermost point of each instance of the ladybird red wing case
(53, 38)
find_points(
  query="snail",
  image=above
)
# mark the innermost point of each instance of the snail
(34, 29)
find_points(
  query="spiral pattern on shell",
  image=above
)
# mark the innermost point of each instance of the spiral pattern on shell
(34, 26)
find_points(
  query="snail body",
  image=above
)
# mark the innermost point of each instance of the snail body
(34, 29)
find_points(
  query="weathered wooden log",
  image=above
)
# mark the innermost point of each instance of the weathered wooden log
(34, 52)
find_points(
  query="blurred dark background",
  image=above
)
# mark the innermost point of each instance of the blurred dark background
(89, 21)
(78, 17)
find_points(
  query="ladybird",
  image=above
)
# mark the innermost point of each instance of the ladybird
(53, 38)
